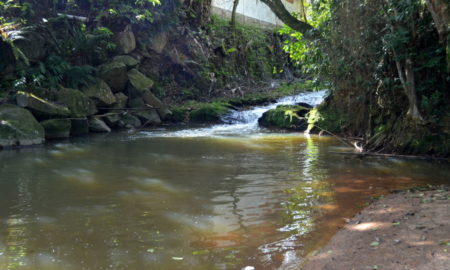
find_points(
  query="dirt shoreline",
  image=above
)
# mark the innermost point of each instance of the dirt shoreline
(405, 230)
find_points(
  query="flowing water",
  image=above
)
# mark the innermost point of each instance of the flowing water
(223, 197)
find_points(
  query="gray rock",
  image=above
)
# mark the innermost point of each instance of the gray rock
(136, 103)
(138, 83)
(19, 127)
(112, 120)
(57, 128)
(126, 41)
(129, 61)
(154, 102)
(79, 126)
(115, 75)
(40, 105)
(98, 125)
(158, 42)
(78, 103)
(100, 92)
(121, 101)
(129, 121)
(148, 117)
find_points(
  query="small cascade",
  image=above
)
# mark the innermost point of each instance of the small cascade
(238, 123)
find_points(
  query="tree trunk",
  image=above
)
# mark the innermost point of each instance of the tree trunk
(277, 7)
(233, 14)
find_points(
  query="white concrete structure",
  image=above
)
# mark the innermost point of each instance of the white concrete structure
(253, 11)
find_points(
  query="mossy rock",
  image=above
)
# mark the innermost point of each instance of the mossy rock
(98, 125)
(40, 106)
(19, 127)
(129, 121)
(129, 61)
(121, 101)
(100, 92)
(57, 128)
(79, 126)
(115, 74)
(78, 103)
(148, 117)
(285, 117)
(138, 83)
(209, 113)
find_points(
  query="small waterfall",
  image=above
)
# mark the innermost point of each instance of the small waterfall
(244, 122)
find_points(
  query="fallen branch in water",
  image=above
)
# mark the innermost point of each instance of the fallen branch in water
(364, 154)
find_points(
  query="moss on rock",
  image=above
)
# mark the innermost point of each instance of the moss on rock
(285, 117)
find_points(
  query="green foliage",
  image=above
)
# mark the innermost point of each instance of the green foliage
(310, 55)
(54, 71)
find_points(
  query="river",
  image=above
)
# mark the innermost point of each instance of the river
(230, 196)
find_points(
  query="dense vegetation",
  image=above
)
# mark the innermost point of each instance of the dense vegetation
(387, 63)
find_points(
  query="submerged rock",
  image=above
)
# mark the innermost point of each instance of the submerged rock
(100, 92)
(57, 128)
(40, 105)
(19, 127)
(78, 103)
(98, 125)
(285, 117)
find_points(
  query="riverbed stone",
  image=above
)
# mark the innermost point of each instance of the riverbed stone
(98, 125)
(126, 41)
(129, 61)
(19, 127)
(40, 105)
(154, 102)
(121, 101)
(136, 103)
(138, 83)
(285, 117)
(100, 92)
(114, 73)
(79, 126)
(57, 128)
(129, 121)
(148, 117)
(78, 103)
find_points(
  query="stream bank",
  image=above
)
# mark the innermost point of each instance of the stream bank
(404, 230)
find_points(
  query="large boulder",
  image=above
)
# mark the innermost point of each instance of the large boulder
(285, 117)
(138, 83)
(129, 61)
(136, 103)
(100, 92)
(98, 125)
(19, 127)
(148, 117)
(40, 106)
(121, 101)
(154, 102)
(57, 128)
(79, 126)
(158, 42)
(129, 121)
(115, 75)
(78, 103)
(126, 41)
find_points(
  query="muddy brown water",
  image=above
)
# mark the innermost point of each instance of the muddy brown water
(146, 201)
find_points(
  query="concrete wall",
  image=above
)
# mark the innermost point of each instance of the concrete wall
(252, 11)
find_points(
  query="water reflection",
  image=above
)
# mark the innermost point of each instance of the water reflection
(108, 202)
